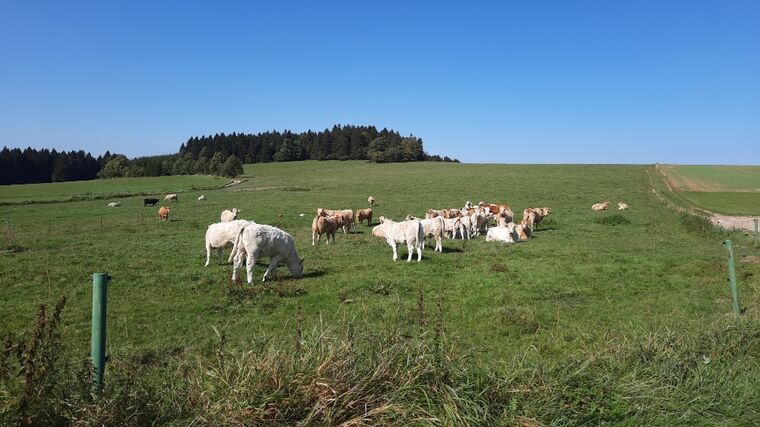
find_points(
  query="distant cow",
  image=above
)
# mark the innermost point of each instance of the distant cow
(601, 206)
(371, 201)
(363, 214)
(114, 204)
(201, 197)
(229, 214)
(150, 202)
(622, 206)
(163, 213)
(170, 198)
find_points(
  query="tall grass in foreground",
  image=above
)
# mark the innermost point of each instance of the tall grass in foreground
(389, 377)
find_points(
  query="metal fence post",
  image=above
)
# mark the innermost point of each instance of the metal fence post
(98, 345)
(732, 276)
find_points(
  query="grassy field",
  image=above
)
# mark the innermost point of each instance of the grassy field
(731, 190)
(587, 284)
(105, 188)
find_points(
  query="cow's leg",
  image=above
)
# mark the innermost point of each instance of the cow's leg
(419, 254)
(249, 263)
(438, 244)
(395, 253)
(219, 252)
(410, 248)
(208, 254)
(272, 269)
(313, 238)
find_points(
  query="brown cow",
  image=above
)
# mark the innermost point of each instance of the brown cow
(163, 213)
(363, 214)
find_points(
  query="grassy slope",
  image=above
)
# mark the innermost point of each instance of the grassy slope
(118, 187)
(729, 203)
(715, 178)
(575, 286)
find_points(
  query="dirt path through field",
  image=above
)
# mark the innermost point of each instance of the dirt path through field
(726, 221)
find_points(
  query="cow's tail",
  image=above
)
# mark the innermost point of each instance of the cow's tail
(236, 245)
(420, 236)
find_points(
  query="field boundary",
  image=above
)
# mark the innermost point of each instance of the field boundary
(231, 183)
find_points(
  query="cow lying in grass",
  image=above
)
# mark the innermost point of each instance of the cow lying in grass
(602, 206)
(506, 234)
(409, 232)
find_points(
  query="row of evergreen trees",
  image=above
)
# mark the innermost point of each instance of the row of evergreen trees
(219, 155)
(338, 143)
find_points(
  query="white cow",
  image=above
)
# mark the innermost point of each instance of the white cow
(409, 232)
(432, 227)
(201, 197)
(229, 214)
(453, 225)
(506, 234)
(114, 204)
(221, 235)
(259, 240)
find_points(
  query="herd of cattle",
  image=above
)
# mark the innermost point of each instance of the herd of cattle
(251, 241)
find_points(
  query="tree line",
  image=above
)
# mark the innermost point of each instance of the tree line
(219, 154)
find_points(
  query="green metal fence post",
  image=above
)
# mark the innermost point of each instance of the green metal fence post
(732, 276)
(99, 306)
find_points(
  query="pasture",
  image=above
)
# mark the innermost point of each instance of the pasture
(104, 188)
(730, 190)
(586, 284)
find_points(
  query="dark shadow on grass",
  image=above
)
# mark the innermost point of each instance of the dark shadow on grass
(314, 273)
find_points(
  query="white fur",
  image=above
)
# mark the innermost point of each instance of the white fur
(409, 232)
(221, 235)
(506, 234)
(229, 214)
(259, 240)
(114, 204)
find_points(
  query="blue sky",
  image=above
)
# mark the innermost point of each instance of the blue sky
(508, 82)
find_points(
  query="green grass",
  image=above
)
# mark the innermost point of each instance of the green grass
(105, 188)
(576, 289)
(725, 203)
(714, 178)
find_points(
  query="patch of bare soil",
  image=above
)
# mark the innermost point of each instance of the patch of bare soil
(751, 259)
(730, 222)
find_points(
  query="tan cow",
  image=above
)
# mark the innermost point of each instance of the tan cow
(363, 214)
(346, 222)
(170, 198)
(323, 225)
(622, 206)
(371, 201)
(533, 216)
(602, 206)
(163, 213)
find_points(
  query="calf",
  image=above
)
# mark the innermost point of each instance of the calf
(363, 214)
(259, 240)
(622, 206)
(409, 232)
(229, 214)
(170, 198)
(323, 225)
(371, 201)
(347, 214)
(221, 235)
(163, 213)
(602, 206)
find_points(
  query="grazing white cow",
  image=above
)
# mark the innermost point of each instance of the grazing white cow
(114, 204)
(221, 235)
(229, 214)
(409, 232)
(506, 234)
(201, 197)
(259, 240)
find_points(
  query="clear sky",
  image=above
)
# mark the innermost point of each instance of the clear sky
(513, 82)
